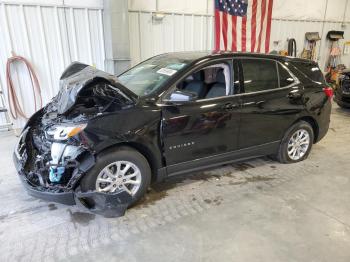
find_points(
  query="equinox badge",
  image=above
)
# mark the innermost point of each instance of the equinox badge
(181, 145)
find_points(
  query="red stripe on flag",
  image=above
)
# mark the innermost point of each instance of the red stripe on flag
(268, 29)
(224, 29)
(234, 33)
(263, 12)
(217, 30)
(253, 26)
(244, 33)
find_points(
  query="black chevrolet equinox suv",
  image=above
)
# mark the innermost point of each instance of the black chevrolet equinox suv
(102, 140)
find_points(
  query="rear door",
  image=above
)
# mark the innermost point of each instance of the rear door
(269, 103)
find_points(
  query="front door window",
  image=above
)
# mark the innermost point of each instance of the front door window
(210, 82)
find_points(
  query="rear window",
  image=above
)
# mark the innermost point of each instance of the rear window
(310, 70)
(259, 75)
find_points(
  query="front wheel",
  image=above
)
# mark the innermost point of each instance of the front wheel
(296, 143)
(122, 169)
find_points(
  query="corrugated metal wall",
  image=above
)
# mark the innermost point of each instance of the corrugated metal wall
(53, 34)
(283, 29)
(175, 32)
(178, 32)
(50, 37)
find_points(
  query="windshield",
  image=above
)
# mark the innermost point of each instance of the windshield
(150, 75)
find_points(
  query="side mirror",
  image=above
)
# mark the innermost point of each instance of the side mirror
(180, 96)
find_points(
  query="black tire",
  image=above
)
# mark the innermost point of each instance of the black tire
(282, 155)
(342, 105)
(88, 182)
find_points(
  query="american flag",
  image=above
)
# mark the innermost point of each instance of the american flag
(243, 26)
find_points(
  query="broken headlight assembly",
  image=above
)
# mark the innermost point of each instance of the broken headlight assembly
(62, 133)
(63, 154)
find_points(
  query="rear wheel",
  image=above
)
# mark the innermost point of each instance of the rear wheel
(296, 143)
(342, 105)
(118, 170)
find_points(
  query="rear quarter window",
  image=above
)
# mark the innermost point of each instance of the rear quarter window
(285, 77)
(310, 71)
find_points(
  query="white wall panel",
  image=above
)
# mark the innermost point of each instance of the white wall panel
(184, 6)
(50, 36)
(171, 6)
(149, 5)
(184, 32)
(98, 4)
(335, 10)
(176, 32)
(299, 9)
(347, 12)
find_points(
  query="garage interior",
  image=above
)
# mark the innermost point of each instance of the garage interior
(255, 210)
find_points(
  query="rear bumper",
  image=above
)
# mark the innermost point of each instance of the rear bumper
(323, 121)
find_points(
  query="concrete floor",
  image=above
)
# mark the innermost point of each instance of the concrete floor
(258, 210)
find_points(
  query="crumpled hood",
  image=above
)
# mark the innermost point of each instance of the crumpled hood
(76, 77)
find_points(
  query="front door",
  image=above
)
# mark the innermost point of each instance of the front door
(208, 126)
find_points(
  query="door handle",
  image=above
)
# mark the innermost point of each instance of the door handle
(230, 106)
(260, 103)
(295, 94)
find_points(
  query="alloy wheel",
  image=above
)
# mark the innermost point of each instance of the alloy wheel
(119, 176)
(298, 144)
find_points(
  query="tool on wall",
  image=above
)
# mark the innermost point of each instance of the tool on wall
(274, 50)
(309, 51)
(334, 65)
(292, 47)
(346, 48)
(16, 108)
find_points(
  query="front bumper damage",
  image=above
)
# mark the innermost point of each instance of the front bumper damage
(34, 173)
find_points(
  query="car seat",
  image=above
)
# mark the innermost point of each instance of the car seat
(219, 88)
(197, 85)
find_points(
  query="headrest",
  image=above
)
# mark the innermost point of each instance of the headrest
(198, 75)
(220, 77)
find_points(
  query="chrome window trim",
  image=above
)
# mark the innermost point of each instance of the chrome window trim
(201, 66)
(297, 82)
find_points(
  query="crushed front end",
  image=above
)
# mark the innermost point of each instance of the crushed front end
(54, 150)
(50, 167)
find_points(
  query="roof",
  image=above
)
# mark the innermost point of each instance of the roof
(200, 55)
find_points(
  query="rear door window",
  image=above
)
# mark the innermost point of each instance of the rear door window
(259, 75)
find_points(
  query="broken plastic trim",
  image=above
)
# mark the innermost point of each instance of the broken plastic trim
(105, 204)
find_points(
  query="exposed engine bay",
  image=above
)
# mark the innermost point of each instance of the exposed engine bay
(54, 152)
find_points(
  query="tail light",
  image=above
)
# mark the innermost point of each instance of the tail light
(328, 92)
